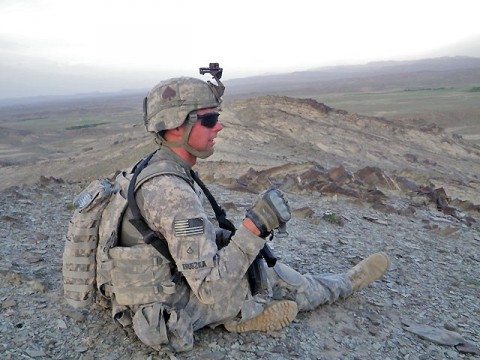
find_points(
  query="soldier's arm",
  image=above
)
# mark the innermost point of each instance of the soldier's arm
(172, 207)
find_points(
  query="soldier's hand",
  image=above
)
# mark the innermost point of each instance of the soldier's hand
(270, 211)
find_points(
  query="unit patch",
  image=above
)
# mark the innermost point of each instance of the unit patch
(189, 227)
(168, 94)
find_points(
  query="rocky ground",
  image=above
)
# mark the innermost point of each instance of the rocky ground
(426, 307)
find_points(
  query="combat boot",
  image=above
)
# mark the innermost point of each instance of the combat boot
(368, 270)
(276, 316)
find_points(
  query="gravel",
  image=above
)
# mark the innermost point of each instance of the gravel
(434, 282)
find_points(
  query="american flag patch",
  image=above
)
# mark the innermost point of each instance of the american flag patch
(188, 227)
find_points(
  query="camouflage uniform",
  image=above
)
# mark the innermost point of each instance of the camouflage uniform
(166, 298)
(214, 287)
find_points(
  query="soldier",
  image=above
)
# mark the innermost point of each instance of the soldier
(205, 285)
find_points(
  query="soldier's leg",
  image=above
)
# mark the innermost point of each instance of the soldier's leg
(294, 292)
(307, 290)
(310, 291)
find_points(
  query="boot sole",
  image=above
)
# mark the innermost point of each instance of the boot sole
(276, 316)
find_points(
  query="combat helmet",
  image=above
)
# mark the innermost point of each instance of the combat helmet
(171, 102)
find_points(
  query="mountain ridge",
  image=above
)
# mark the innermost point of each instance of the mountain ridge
(294, 81)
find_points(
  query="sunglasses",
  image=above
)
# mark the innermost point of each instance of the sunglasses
(209, 120)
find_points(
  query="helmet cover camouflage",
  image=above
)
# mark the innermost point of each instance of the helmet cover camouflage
(168, 104)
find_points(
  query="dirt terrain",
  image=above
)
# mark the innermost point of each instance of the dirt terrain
(356, 184)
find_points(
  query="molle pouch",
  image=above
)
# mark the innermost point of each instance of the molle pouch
(150, 326)
(138, 275)
(81, 242)
(157, 325)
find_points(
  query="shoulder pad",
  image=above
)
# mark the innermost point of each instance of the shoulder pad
(164, 167)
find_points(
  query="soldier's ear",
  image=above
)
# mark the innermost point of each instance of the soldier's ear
(179, 130)
(174, 134)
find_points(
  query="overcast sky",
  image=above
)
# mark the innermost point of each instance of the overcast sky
(50, 47)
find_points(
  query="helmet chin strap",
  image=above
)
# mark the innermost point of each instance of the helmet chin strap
(184, 143)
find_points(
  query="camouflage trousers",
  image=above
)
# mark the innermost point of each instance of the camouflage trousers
(176, 326)
(308, 291)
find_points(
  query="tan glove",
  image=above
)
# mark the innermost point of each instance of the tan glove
(270, 211)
